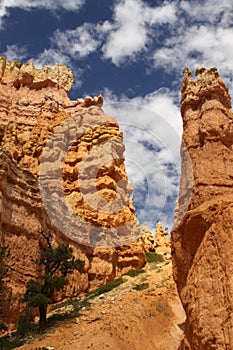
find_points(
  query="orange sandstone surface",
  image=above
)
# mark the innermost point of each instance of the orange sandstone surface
(202, 249)
(34, 106)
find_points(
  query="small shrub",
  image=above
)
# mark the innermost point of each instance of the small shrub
(134, 273)
(25, 324)
(141, 286)
(153, 257)
(105, 288)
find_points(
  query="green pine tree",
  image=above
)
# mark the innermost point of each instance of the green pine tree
(54, 265)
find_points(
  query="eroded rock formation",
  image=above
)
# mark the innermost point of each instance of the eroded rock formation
(35, 108)
(160, 243)
(202, 246)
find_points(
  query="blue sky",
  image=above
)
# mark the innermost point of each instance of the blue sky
(133, 53)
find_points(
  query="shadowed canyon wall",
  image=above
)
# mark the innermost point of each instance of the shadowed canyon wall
(202, 237)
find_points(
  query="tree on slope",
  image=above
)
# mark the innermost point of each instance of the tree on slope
(54, 265)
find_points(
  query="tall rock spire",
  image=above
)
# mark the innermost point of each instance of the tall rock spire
(202, 240)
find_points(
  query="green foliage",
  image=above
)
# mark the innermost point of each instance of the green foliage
(54, 264)
(141, 286)
(106, 287)
(134, 272)
(10, 342)
(25, 324)
(153, 257)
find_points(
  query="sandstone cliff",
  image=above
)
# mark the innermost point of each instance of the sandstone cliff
(46, 142)
(202, 237)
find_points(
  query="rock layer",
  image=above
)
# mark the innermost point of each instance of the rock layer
(34, 107)
(202, 247)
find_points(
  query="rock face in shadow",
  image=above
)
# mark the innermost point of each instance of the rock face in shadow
(46, 142)
(202, 238)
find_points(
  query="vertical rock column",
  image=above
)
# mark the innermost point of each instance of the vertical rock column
(202, 238)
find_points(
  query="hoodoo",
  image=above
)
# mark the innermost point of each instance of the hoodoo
(202, 238)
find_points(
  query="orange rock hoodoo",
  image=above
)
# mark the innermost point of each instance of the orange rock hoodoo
(160, 243)
(202, 246)
(34, 106)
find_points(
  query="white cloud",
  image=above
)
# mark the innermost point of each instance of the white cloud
(79, 42)
(50, 57)
(69, 5)
(210, 11)
(14, 53)
(151, 127)
(132, 27)
(203, 45)
(52, 5)
(133, 17)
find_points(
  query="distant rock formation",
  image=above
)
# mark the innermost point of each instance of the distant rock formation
(148, 239)
(34, 106)
(160, 243)
(202, 239)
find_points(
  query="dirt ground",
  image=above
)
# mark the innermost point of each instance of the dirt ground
(124, 318)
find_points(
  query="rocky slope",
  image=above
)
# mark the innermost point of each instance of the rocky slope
(62, 169)
(124, 318)
(202, 238)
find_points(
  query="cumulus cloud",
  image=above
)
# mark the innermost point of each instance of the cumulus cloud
(79, 42)
(132, 25)
(198, 45)
(126, 35)
(210, 11)
(14, 53)
(201, 37)
(151, 127)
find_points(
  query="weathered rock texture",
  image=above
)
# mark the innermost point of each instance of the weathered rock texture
(33, 103)
(160, 243)
(202, 246)
(148, 239)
